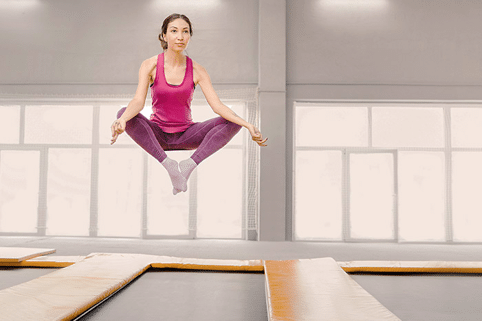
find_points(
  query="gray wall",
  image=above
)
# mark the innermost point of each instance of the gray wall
(326, 49)
(100, 45)
(384, 49)
(429, 42)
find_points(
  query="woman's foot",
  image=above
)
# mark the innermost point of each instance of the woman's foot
(179, 182)
(187, 166)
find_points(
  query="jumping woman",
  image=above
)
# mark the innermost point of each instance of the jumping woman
(173, 77)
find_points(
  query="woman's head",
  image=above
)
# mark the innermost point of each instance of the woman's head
(172, 26)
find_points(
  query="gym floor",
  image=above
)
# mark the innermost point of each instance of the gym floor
(188, 295)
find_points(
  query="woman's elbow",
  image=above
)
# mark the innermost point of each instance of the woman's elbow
(217, 110)
(138, 103)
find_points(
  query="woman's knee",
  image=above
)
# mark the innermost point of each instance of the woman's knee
(121, 112)
(234, 128)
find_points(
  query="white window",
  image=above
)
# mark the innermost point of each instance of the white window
(408, 127)
(371, 196)
(120, 192)
(416, 179)
(331, 126)
(318, 195)
(48, 124)
(10, 125)
(68, 191)
(467, 200)
(422, 196)
(59, 175)
(19, 190)
(466, 127)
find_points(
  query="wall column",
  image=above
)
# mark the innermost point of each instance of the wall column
(272, 105)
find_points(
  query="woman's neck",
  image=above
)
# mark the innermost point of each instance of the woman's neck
(174, 58)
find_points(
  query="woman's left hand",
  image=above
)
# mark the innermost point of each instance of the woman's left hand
(117, 128)
(256, 136)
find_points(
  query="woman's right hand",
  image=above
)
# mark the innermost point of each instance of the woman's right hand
(117, 128)
(256, 135)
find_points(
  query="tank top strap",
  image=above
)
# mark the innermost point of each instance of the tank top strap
(159, 68)
(189, 71)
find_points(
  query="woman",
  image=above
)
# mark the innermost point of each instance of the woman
(173, 77)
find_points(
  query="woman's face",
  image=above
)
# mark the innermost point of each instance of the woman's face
(177, 36)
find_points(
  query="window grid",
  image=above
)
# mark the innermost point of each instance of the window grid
(95, 147)
(346, 150)
(448, 176)
(94, 185)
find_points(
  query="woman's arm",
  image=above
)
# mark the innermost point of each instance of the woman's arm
(137, 103)
(222, 110)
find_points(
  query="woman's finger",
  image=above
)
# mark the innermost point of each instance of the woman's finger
(116, 125)
(261, 142)
(114, 138)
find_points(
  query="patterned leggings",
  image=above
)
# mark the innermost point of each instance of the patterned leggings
(206, 137)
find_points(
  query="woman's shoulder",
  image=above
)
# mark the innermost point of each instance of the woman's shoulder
(197, 67)
(148, 67)
(150, 62)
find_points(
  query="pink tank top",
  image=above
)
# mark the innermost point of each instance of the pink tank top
(171, 104)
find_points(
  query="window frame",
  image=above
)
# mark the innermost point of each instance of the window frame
(249, 212)
(447, 149)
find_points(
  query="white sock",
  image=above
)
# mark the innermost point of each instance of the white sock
(187, 166)
(179, 183)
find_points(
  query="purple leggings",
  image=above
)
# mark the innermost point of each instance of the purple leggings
(206, 137)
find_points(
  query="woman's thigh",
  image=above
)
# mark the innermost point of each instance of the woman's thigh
(163, 138)
(192, 137)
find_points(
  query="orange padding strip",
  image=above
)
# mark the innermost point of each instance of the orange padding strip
(66, 293)
(412, 266)
(318, 289)
(19, 254)
(210, 264)
(46, 262)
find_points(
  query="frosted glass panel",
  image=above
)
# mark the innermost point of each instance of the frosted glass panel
(9, 124)
(421, 196)
(58, 124)
(202, 111)
(19, 188)
(167, 214)
(120, 192)
(466, 196)
(408, 127)
(220, 195)
(371, 196)
(318, 195)
(466, 127)
(331, 126)
(68, 192)
(108, 114)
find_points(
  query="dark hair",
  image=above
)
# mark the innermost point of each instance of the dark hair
(167, 21)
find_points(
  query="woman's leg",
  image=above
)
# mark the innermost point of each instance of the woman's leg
(151, 138)
(208, 137)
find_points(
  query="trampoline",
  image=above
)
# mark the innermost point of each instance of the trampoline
(303, 289)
